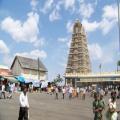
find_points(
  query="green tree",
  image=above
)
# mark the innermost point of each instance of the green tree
(58, 79)
(118, 63)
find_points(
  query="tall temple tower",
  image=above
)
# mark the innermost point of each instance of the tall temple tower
(78, 59)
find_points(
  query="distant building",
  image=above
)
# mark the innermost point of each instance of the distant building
(4, 71)
(29, 68)
(79, 79)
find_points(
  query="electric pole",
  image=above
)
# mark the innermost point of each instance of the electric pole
(38, 69)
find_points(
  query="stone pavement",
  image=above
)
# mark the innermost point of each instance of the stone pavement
(45, 107)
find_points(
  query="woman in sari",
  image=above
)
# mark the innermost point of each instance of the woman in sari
(112, 113)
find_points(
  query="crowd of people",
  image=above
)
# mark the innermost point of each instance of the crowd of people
(98, 94)
(6, 90)
(99, 105)
(68, 92)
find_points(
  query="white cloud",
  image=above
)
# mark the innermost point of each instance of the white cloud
(69, 43)
(109, 18)
(69, 4)
(69, 26)
(104, 54)
(110, 12)
(58, 5)
(86, 10)
(27, 31)
(39, 43)
(110, 52)
(47, 6)
(7, 59)
(52, 4)
(63, 65)
(3, 47)
(63, 40)
(54, 15)
(34, 54)
(108, 21)
(96, 2)
(90, 26)
(34, 4)
(81, 1)
(95, 51)
(106, 25)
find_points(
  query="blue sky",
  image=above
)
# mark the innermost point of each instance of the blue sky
(43, 28)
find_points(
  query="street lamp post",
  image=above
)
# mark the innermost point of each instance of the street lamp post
(118, 4)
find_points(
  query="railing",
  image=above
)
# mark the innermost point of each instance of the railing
(92, 74)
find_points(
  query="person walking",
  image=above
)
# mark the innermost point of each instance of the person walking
(97, 107)
(112, 112)
(70, 92)
(10, 91)
(78, 91)
(24, 105)
(3, 91)
(84, 94)
(63, 92)
(56, 91)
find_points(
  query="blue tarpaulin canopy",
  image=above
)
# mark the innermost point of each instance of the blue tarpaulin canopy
(20, 78)
(36, 83)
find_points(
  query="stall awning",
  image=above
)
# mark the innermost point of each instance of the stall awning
(11, 79)
(1, 78)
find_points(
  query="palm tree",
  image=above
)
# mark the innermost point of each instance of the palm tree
(58, 79)
(118, 64)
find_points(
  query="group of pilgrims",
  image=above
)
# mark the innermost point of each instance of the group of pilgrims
(99, 106)
(67, 91)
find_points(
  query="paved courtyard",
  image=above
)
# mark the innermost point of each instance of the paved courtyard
(45, 107)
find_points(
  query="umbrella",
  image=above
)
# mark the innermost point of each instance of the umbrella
(44, 84)
(20, 78)
(28, 80)
(36, 83)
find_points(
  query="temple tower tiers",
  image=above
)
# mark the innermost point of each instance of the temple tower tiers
(78, 58)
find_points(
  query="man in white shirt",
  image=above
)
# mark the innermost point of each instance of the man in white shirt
(102, 92)
(56, 91)
(24, 105)
(63, 91)
(84, 93)
(78, 91)
(70, 92)
(3, 90)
